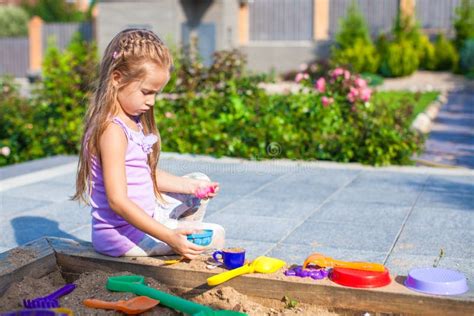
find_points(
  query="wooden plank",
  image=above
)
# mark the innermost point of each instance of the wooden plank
(394, 298)
(35, 259)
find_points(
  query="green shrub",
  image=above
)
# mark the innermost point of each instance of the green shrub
(467, 56)
(361, 57)
(464, 23)
(352, 28)
(54, 10)
(353, 46)
(426, 53)
(61, 100)
(18, 137)
(447, 57)
(399, 59)
(13, 21)
(319, 125)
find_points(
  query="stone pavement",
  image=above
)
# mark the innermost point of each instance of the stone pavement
(399, 216)
(451, 140)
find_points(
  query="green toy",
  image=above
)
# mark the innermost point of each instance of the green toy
(136, 284)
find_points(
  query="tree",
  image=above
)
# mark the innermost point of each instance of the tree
(353, 28)
(13, 21)
(464, 23)
(54, 11)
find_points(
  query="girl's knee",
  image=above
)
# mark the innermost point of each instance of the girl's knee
(198, 176)
(218, 237)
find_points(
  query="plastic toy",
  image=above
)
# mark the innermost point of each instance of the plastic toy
(359, 278)
(136, 305)
(261, 264)
(136, 284)
(436, 281)
(203, 193)
(61, 311)
(203, 238)
(51, 300)
(328, 262)
(316, 274)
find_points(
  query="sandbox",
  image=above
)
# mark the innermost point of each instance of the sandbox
(48, 263)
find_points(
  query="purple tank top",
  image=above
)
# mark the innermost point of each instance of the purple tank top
(111, 234)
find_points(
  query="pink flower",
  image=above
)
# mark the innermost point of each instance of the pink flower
(168, 114)
(352, 95)
(320, 85)
(365, 94)
(301, 76)
(347, 74)
(360, 83)
(326, 101)
(5, 151)
(337, 72)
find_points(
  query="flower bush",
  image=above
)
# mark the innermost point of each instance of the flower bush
(334, 119)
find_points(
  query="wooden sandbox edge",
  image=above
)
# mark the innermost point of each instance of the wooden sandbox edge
(37, 260)
(75, 258)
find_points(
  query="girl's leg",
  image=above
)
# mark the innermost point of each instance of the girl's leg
(180, 211)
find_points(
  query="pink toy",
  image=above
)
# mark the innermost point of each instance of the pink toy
(203, 193)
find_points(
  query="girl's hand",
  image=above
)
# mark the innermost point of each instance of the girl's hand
(180, 244)
(203, 189)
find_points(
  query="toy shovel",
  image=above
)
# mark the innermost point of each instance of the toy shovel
(261, 264)
(136, 305)
(136, 284)
(323, 262)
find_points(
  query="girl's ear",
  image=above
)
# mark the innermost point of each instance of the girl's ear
(116, 78)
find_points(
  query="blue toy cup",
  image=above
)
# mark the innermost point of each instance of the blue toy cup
(232, 257)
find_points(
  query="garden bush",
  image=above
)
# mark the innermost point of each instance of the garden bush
(426, 53)
(13, 21)
(464, 23)
(61, 101)
(19, 139)
(353, 46)
(335, 121)
(467, 57)
(447, 57)
(399, 59)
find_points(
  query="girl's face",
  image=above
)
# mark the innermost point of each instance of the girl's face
(139, 96)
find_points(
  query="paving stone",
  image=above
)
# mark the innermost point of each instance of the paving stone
(252, 248)
(428, 240)
(12, 206)
(44, 191)
(406, 198)
(259, 206)
(391, 181)
(440, 218)
(375, 213)
(256, 228)
(35, 165)
(366, 237)
(460, 185)
(446, 199)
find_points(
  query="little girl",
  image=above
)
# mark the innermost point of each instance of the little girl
(137, 209)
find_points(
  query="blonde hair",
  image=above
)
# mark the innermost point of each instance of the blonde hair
(127, 53)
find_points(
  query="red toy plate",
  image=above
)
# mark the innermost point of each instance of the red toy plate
(360, 278)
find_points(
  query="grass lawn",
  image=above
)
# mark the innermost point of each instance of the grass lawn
(420, 100)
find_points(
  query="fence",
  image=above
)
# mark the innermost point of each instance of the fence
(379, 14)
(280, 20)
(20, 55)
(436, 15)
(14, 56)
